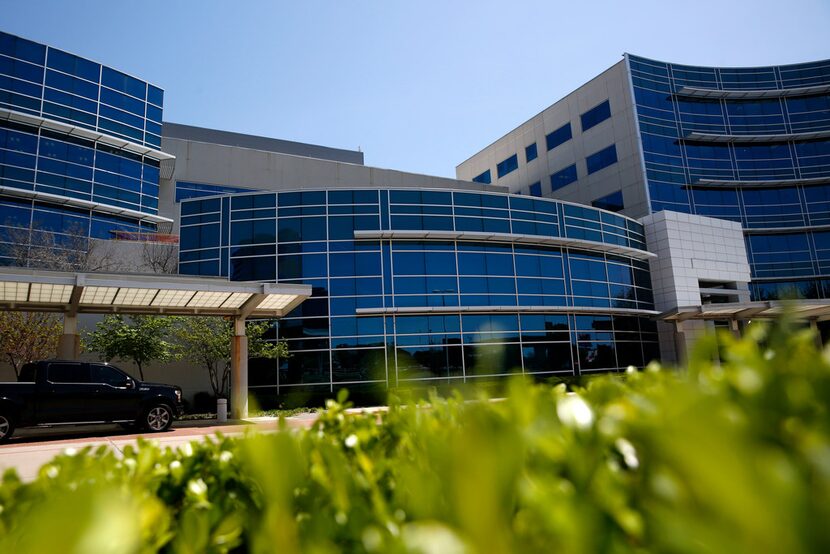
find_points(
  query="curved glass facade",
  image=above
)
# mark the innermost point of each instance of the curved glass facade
(747, 144)
(426, 285)
(45, 95)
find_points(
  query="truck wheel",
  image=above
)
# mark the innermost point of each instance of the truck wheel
(158, 418)
(6, 427)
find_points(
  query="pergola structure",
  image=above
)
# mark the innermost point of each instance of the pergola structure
(812, 311)
(70, 294)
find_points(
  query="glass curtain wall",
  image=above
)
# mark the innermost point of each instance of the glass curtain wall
(397, 311)
(747, 144)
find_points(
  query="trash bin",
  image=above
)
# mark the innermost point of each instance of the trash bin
(222, 409)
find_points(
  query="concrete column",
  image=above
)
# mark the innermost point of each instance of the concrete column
(680, 343)
(239, 370)
(816, 334)
(69, 345)
(735, 328)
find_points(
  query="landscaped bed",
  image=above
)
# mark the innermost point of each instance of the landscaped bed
(723, 457)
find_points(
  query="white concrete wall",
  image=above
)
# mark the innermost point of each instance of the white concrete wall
(620, 129)
(218, 164)
(691, 248)
(190, 378)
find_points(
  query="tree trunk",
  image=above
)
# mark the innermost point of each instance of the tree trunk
(14, 366)
(214, 380)
(140, 371)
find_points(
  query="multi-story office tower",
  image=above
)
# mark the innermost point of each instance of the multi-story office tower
(415, 278)
(427, 279)
(750, 145)
(79, 151)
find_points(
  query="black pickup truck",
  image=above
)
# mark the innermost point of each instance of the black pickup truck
(57, 392)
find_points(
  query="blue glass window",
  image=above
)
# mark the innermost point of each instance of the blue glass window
(483, 178)
(73, 65)
(21, 48)
(199, 236)
(186, 190)
(595, 115)
(530, 152)
(612, 202)
(155, 95)
(507, 166)
(123, 83)
(536, 189)
(563, 177)
(602, 159)
(559, 136)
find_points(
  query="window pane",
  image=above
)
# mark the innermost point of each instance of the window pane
(559, 136)
(68, 373)
(563, 177)
(507, 166)
(595, 115)
(601, 159)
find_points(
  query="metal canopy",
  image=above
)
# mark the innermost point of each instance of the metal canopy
(78, 131)
(802, 309)
(584, 244)
(745, 94)
(784, 137)
(706, 183)
(84, 204)
(99, 293)
(409, 310)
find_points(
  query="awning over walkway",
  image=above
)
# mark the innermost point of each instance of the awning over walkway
(99, 293)
(802, 309)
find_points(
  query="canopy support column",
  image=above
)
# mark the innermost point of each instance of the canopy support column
(69, 344)
(239, 370)
(735, 327)
(816, 334)
(680, 342)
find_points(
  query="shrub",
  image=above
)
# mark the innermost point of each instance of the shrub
(730, 456)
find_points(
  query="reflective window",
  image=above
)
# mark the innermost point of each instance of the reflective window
(563, 177)
(68, 373)
(507, 166)
(530, 152)
(561, 135)
(536, 189)
(483, 178)
(612, 202)
(595, 115)
(602, 159)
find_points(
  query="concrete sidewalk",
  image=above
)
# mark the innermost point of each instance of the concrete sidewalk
(29, 449)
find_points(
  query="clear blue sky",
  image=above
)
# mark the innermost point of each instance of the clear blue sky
(418, 85)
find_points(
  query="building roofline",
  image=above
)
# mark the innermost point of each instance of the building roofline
(540, 112)
(785, 65)
(235, 139)
(70, 52)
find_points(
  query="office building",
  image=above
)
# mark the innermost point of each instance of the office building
(654, 187)
(745, 145)
(79, 152)
(415, 279)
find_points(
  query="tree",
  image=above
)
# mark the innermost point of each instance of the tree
(206, 341)
(72, 250)
(160, 257)
(28, 336)
(140, 340)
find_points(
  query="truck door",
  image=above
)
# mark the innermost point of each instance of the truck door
(118, 394)
(68, 395)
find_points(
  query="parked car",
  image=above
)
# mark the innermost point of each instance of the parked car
(59, 392)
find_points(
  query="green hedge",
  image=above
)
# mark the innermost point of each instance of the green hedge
(722, 457)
